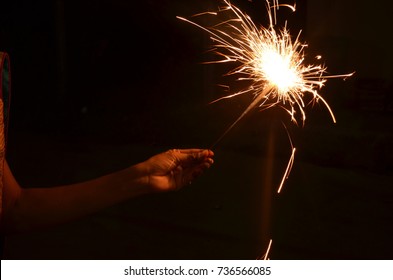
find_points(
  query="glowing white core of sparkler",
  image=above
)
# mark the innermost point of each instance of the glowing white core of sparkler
(278, 70)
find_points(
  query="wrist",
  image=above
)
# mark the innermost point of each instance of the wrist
(141, 176)
(130, 181)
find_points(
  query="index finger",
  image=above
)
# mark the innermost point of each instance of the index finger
(198, 153)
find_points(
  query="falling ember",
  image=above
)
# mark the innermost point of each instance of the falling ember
(266, 255)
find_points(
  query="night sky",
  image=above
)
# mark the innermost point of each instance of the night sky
(100, 85)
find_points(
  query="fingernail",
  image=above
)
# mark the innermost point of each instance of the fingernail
(203, 154)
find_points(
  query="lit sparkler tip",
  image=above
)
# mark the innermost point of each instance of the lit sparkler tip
(267, 58)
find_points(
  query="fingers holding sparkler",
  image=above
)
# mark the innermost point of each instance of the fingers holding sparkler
(176, 168)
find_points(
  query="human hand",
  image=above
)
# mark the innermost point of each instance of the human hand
(174, 169)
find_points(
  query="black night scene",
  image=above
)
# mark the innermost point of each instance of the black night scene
(98, 86)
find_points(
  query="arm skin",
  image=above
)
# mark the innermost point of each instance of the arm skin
(26, 209)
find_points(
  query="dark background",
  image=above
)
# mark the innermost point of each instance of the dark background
(100, 85)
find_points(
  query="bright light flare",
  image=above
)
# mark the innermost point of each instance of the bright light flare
(269, 59)
(277, 70)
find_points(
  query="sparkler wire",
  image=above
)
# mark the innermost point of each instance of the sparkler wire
(254, 103)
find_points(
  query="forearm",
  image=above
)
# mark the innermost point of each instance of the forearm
(31, 208)
(41, 207)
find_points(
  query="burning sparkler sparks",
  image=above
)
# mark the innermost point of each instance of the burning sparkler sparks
(269, 60)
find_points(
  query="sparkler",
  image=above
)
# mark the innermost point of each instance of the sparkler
(270, 61)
